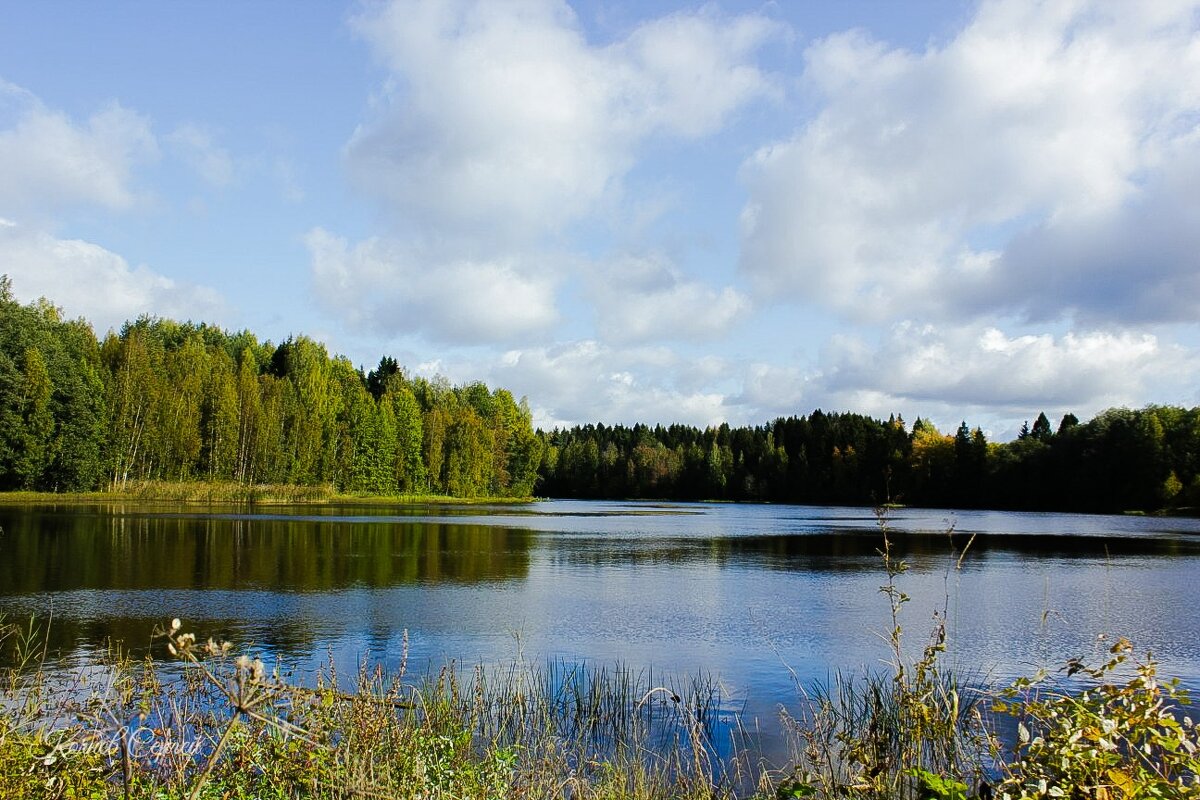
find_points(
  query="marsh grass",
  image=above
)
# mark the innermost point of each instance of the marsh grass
(221, 492)
(919, 731)
(885, 734)
(207, 723)
(185, 492)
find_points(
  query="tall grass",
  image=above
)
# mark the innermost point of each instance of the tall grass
(187, 492)
(219, 492)
(214, 725)
(919, 732)
(880, 734)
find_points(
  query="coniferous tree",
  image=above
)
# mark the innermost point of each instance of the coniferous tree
(1041, 428)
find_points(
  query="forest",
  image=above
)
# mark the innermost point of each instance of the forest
(1122, 460)
(168, 401)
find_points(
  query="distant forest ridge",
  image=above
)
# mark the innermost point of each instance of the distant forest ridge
(164, 400)
(1121, 460)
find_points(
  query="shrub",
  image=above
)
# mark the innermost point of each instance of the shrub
(1111, 741)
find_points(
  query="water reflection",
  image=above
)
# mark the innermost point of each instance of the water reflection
(856, 550)
(109, 549)
(736, 591)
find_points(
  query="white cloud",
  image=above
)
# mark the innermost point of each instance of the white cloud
(49, 161)
(89, 281)
(974, 367)
(989, 377)
(502, 120)
(499, 125)
(195, 146)
(927, 181)
(688, 72)
(769, 390)
(640, 299)
(387, 286)
(586, 381)
(1136, 264)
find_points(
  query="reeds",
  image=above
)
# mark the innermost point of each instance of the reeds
(208, 724)
(229, 492)
(918, 731)
(888, 734)
(211, 492)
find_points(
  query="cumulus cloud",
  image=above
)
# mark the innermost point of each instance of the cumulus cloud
(49, 161)
(640, 299)
(89, 281)
(1136, 264)
(383, 285)
(499, 125)
(978, 366)
(978, 372)
(503, 118)
(1033, 172)
(586, 381)
(771, 390)
(992, 378)
(949, 181)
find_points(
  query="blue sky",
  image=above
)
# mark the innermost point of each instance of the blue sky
(627, 211)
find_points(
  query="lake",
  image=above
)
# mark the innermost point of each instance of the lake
(758, 596)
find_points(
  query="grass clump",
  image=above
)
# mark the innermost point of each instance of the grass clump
(209, 724)
(218, 492)
(888, 735)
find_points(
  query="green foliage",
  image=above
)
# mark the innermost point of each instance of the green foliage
(173, 401)
(1112, 740)
(1121, 460)
(36, 420)
(163, 400)
(938, 787)
(51, 421)
(1041, 428)
(1121, 735)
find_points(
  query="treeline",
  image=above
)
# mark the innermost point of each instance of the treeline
(163, 400)
(1121, 460)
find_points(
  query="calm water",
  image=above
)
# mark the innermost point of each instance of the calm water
(749, 593)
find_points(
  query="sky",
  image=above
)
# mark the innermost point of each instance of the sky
(634, 211)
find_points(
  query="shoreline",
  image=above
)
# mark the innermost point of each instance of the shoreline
(226, 493)
(203, 493)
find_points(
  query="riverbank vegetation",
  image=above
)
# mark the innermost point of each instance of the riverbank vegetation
(226, 725)
(227, 492)
(197, 720)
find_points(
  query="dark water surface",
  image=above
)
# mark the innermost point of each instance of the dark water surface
(752, 594)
